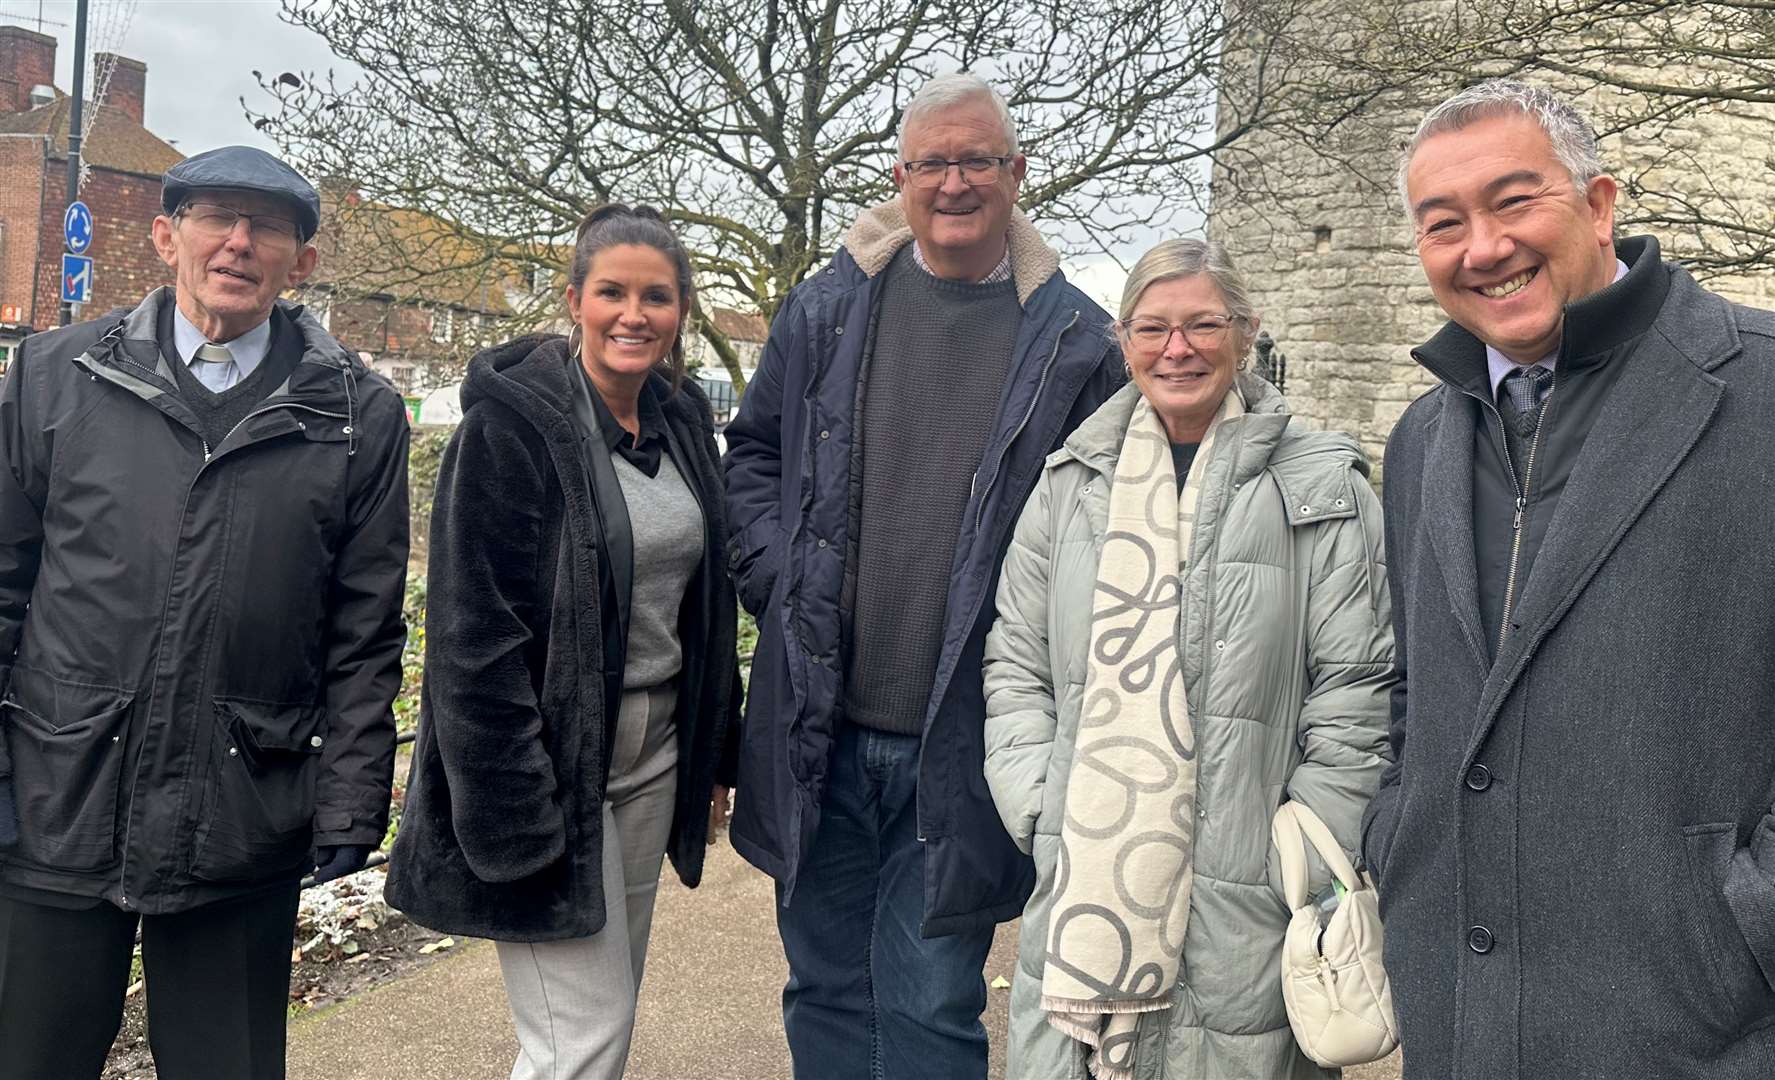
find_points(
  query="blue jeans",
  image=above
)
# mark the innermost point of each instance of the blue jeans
(868, 998)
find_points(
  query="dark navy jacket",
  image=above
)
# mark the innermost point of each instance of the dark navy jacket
(788, 470)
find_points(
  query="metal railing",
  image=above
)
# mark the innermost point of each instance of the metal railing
(1271, 365)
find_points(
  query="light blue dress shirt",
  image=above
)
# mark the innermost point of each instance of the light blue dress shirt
(248, 350)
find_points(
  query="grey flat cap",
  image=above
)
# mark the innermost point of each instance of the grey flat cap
(242, 168)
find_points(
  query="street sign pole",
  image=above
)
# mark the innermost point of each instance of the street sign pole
(74, 122)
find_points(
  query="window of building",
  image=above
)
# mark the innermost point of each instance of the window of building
(443, 324)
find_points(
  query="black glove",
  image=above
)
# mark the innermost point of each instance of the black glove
(335, 862)
(8, 814)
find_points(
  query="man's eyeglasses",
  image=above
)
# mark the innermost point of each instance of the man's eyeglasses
(1148, 337)
(216, 221)
(977, 171)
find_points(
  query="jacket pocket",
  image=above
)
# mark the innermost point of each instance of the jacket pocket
(1740, 991)
(264, 761)
(67, 748)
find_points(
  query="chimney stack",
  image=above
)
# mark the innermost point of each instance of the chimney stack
(27, 59)
(129, 83)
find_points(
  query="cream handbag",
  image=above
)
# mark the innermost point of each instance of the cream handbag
(1339, 1002)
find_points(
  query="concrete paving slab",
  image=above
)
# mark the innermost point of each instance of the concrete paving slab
(711, 1005)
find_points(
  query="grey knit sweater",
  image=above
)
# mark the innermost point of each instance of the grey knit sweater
(936, 370)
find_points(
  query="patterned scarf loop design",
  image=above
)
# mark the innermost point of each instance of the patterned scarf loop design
(1122, 889)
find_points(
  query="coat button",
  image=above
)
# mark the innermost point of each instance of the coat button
(1306, 509)
(1479, 778)
(825, 434)
(822, 543)
(316, 741)
(839, 330)
(234, 751)
(1480, 940)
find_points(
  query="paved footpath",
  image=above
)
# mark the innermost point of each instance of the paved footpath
(710, 1005)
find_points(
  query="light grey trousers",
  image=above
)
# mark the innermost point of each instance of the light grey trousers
(573, 1001)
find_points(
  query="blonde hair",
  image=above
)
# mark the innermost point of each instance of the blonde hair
(1172, 259)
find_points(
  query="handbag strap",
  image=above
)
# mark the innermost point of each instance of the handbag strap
(1293, 828)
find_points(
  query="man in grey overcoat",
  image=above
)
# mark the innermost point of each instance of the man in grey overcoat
(1575, 847)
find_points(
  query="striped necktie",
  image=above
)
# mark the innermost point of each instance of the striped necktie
(214, 367)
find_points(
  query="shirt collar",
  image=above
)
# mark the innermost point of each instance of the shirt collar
(613, 434)
(1001, 272)
(248, 349)
(1498, 365)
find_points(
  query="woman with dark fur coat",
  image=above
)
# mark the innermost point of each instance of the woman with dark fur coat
(578, 717)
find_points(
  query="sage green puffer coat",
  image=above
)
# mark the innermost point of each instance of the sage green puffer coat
(1286, 565)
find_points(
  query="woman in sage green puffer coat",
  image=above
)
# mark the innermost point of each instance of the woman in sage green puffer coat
(1287, 654)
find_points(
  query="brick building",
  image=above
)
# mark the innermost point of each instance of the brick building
(414, 294)
(124, 162)
(416, 334)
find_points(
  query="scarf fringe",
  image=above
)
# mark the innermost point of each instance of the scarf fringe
(1076, 1007)
(1103, 1070)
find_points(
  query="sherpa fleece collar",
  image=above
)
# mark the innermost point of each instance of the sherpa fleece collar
(882, 230)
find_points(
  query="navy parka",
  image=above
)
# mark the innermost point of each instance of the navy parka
(789, 473)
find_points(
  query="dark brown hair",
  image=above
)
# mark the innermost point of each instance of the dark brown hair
(614, 225)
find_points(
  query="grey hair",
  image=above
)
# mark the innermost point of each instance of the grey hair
(1172, 259)
(1572, 135)
(947, 91)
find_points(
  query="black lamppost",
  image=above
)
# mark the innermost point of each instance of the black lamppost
(74, 110)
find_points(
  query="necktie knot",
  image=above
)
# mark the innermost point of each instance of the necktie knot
(213, 365)
(1526, 388)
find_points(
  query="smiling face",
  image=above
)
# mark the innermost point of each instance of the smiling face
(1505, 238)
(960, 228)
(1183, 382)
(629, 310)
(228, 283)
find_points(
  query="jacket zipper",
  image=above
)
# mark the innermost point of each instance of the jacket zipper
(1041, 384)
(986, 493)
(1522, 491)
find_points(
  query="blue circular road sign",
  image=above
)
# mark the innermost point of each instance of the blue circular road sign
(77, 228)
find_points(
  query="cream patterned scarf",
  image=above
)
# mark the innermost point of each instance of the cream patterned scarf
(1121, 906)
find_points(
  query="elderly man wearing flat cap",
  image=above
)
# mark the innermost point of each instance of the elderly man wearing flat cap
(203, 541)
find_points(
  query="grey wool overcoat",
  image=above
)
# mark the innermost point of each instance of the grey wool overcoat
(1287, 656)
(1575, 848)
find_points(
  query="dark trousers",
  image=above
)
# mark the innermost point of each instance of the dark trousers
(868, 998)
(218, 987)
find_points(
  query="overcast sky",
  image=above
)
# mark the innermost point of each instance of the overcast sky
(201, 55)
